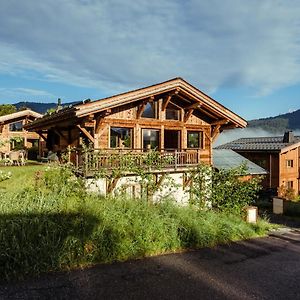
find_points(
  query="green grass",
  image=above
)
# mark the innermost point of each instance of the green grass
(56, 225)
(22, 176)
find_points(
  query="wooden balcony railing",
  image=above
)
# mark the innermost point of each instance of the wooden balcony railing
(91, 161)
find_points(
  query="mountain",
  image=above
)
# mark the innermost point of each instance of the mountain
(38, 107)
(279, 123)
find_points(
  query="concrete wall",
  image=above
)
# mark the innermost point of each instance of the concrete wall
(171, 185)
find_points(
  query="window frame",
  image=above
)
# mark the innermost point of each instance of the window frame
(289, 163)
(200, 139)
(118, 146)
(142, 139)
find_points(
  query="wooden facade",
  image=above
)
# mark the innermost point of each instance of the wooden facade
(172, 116)
(12, 128)
(289, 167)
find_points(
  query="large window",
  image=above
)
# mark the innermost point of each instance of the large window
(120, 137)
(150, 139)
(17, 126)
(195, 139)
(150, 110)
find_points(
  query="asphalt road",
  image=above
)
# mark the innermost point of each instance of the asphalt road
(266, 268)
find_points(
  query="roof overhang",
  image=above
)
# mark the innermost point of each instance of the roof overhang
(14, 117)
(289, 148)
(186, 96)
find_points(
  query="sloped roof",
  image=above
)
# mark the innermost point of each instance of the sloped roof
(227, 159)
(259, 144)
(208, 105)
(20, 115)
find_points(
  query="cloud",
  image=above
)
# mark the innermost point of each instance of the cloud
(114, 45)
(21, 94)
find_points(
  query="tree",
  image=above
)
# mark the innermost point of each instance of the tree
(6, 109)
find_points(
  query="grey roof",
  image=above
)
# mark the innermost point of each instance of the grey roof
(228, 159)
(259, 143)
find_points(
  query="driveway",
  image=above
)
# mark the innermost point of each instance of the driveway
(265, 268)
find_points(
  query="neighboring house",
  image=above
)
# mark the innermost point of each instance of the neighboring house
(278, 155)
(226, 159)
(172, 117)
(12, 132)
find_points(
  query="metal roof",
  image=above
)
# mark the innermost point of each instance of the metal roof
(227, 159)
(259, 144)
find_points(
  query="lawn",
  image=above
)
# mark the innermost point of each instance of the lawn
(22, 176)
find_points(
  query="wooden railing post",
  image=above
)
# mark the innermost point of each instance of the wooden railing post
(175, 166)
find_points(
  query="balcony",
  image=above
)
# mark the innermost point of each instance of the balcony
(129, 161)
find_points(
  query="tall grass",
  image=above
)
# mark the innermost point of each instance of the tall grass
(56, 225)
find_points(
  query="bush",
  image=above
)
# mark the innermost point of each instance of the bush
(224, 190)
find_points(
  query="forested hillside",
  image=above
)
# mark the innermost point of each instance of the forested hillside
(278, 123)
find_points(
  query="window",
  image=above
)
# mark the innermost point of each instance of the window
(172, 113)
(150, 110)
(195, 139)
(120, 137)
(17, 143)
(289, 163)
(290, 184)
(17, 126)
(150, 139)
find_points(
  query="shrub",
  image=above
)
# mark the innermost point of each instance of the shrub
(224, 190)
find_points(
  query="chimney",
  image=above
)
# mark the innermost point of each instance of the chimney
(59, 106)
(288, 137)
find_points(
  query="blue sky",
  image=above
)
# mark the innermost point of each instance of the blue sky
(245, 54)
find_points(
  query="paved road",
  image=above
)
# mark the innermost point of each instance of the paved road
(266, 268)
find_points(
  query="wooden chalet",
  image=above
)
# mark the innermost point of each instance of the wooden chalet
(172, 117)
(12, 128)
(280, 156)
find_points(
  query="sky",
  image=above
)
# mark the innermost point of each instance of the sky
(245, 54)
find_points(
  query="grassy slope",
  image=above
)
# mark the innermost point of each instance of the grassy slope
(55, 225)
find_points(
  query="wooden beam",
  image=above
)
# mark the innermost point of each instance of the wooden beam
(142, 106)
(220, 122)
(207, 113)
(194, 105)
(215, 132)
(141, 109)
(168, 99)
(166, 102)
(188, 114)
(86, 133)
(42, 136)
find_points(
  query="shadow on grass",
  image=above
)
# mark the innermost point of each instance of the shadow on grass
(35, 243)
